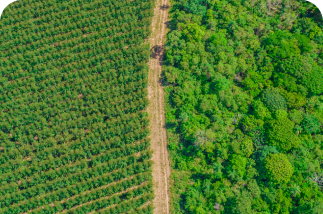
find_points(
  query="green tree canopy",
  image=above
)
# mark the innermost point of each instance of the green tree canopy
(310, 124)
(281, 45)
(241, 204)
(278, 168)
(306, 70)
(243, 147)
(280, 134)
(273, 99)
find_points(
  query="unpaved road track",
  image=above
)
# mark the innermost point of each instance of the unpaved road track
(156, 110)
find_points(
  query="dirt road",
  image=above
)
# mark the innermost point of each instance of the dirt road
(161, 167)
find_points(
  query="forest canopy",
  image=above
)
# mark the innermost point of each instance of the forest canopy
(244, 111)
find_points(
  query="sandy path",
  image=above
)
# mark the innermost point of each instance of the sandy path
(161, 167)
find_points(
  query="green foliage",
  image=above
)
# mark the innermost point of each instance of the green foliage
(208, 104)
(310, 124)
(205, 140)
(243, 147)
(273, 99)
(221, 83)
(295, 116)
(294, 190)
(285, 81)
(303, 43)
(238, 163)
(260, 110)
(308, 27)
(197, 7)
(259, 205)
(294, 99)
(281, 45)
(253, 188)
(241, 204)
(217, 42)
(280, 133)
(278, 168)
(265, 151)
(306, 70)
(195, 202)
(243, 89)
(74, 127)
(250, 123)
(319, 139)
(280, 114)
(193, 124)
(193, 32)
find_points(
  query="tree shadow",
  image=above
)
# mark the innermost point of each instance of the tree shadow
(170, 125)
(157, 51)
(170, 25)
(164, 7)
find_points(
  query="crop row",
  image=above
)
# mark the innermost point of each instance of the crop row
(62, 175)
(125, 205)
(77, 155)
(44, 12)
(107, 191)
(144, 209)
(127, 106)
(77, 12)
(44, 186)
(66, 155)
(75, 53)
(10, 157)
(60, 30)
(86, 64)
(102, 128)
(88, 94)
(72, 190)
(79, 81)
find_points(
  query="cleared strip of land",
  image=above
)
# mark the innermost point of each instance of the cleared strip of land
(161, 167)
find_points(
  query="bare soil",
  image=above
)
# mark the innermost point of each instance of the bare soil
(156, 109)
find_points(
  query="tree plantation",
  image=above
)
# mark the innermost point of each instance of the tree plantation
(74, 131)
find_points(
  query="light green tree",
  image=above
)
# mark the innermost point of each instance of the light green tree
(278, 168)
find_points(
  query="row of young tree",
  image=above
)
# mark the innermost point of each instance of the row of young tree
(245, 106)
(72, 186)
(56, 10)
(64, 155)
(127, 206)
(78, 81)
(74, 131)
(64, 41)
(64, 25)
(66, 172)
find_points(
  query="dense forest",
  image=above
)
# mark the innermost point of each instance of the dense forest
(244, 111)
